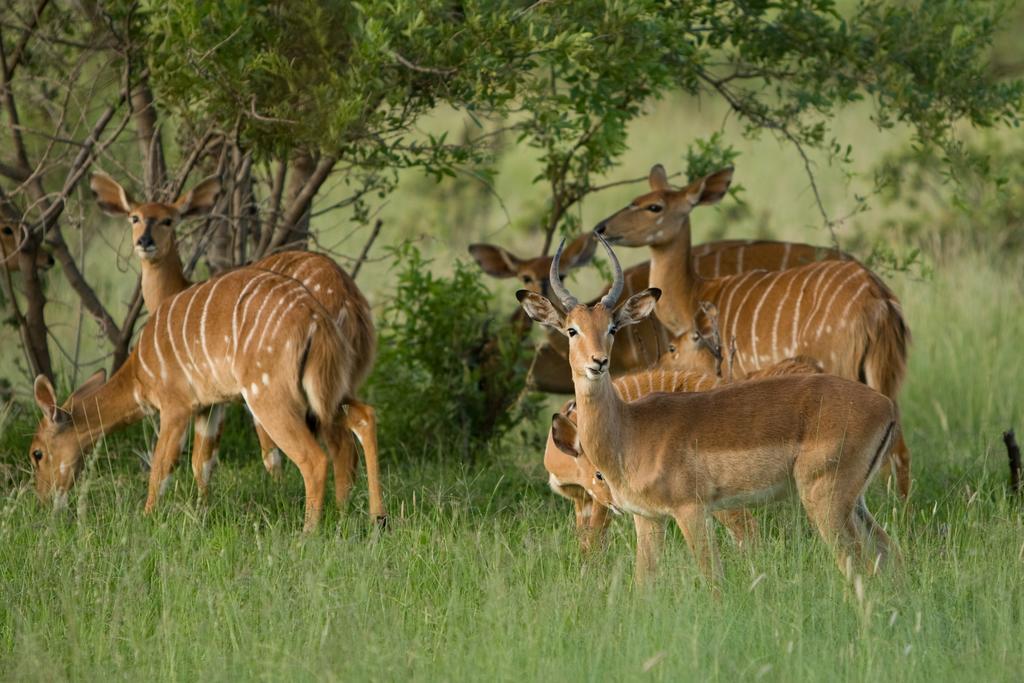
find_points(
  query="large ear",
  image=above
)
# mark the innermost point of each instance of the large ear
(563, 433)
(578, 252)
(637, 307)
(112, 198)
(658, 178)
(541, 310)
(95, 381)
(200, 199)
(713, 187)
(46, 398)
(494, 260)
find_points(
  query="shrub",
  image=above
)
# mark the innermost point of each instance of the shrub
(448, 376)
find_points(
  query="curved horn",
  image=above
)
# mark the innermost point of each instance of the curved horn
(568, 301)
(612, 297)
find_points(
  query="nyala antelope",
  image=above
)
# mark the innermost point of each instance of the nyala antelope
(10, 244)
(645, 342)
(247, 333)
(573, 476)
(687, 455)
(153, 226)
(836, 311)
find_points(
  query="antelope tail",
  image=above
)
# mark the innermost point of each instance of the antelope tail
(322, 369)
(884, 362)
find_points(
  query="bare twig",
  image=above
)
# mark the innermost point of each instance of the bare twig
(781, 129)
(366, 248)
(421, 69)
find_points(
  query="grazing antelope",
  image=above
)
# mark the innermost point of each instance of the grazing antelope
(572, 475)
(9, 246)
(686, 455)
(153, 234)
(838, 312)
(646, 342)
(249, 333)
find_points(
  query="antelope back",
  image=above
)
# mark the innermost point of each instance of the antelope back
(247, 332)
(829, 311)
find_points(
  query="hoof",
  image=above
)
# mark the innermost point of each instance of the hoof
(382, 522)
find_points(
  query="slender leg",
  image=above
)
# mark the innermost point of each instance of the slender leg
(650, 533)
(883, 550)
(286, 425)
(832, 512)
(168, 445)
(270, 453)
(342, 449)
(741, 525)
(695, 523)
(209, 425)
(362, 420)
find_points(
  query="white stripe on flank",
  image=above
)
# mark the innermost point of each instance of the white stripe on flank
(757, 314)
(846, 309)
(636, 383)
(280, 318)
(734, 284)
(718, 263)
(214, 368)
(728, 330)
(828, 306)
(820, 292)
(142, 360)
(238, 318)
(807, 275)
(170, 335)
(187, 339)
(785, 256)
(156, 342)
(267, 297)
(778, 313)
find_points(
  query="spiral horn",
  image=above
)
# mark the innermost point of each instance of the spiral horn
(618, 282)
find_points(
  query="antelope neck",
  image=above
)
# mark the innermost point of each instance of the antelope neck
(599, 417)
(109, 407)
(162, 279)
(673, 273)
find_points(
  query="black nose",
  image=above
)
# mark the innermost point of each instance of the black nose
(601, 227)
(601, 362)
(146, 241)
(50, 260)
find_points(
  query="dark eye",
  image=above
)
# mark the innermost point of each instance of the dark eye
(37, 455)
(598, 476)
(167, 221)
(654, 208)
(527, 280)
(8, 231)
(134, 219)
(572, 332)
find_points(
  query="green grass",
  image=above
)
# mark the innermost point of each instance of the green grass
(480, 577)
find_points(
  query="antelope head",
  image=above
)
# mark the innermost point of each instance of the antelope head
(590, 329)
(657, 218)
(56, 454)
(531, 272)
(565, 456)
(153, 223)
(10, 244)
